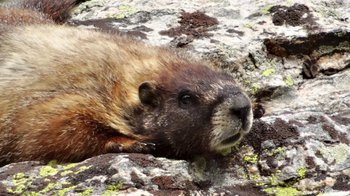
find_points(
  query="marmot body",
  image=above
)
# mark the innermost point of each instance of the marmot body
(69, 94)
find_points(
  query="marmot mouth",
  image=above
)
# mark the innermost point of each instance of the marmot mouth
(232, 139)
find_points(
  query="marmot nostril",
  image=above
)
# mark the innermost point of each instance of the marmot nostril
(241, 108)
(240, 112)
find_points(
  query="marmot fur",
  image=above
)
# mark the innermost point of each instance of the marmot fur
(69, 94)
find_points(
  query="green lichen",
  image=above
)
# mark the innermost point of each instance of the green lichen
(112, 189)
(63, 191)
(124, 11)
(268, 72)
(301, 172)
(69, 166)
(289, 80)
(9, 190)
(255, 88)
(251, 158)
(282, 191)
(265, 10)
(273, 179)
(20, 183)
(249, 26)
(48, 188)
(47, 171)
(64, 173)
(19, 176)
(87, 192)
(276, 151)
(82, 168)
(52, 163)
(255, 177)
(32, 194)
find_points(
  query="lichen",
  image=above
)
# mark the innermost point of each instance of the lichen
(19, 176)
(47, 171)
(276, 151)
(87, 192)
(64, 173)
(255, 88)
(48, 188)
(251, 158)
(273, 179)
(301, 172)
(20, 183)
(112, 189)
(82, 168)
(63, 191)
(282, 191)
(289, 80)
(268, 72)
(265, 10)
(69, 166)
(124, 11)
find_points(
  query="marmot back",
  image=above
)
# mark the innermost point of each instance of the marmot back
(69, 94)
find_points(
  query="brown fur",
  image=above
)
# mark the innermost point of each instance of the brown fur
(69, 93)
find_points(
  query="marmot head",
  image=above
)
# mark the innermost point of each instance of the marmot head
(191, 109)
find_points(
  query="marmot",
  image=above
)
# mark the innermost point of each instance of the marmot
(69, 93)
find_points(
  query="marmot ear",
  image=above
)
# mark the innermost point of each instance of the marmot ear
(148, 94)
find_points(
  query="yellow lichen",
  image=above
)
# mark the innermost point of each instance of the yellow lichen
(251, 158)
(282, 191)
(268, 72)
(47, 171)
(302, 172)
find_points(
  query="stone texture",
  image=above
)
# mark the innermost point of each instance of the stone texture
(293, 57)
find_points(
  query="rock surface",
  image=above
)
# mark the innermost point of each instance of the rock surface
(293, 57)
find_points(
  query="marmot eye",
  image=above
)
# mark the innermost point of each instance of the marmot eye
(186, 99)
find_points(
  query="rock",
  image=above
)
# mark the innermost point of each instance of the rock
(293, 57)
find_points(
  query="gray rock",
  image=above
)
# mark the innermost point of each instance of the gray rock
(293, 57)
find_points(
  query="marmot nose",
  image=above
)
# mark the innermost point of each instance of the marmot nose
(241, 108)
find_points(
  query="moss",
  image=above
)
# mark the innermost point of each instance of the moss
(282, 191)
(268, 72)
(47, 171)
(302, 172)
(251, 158)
